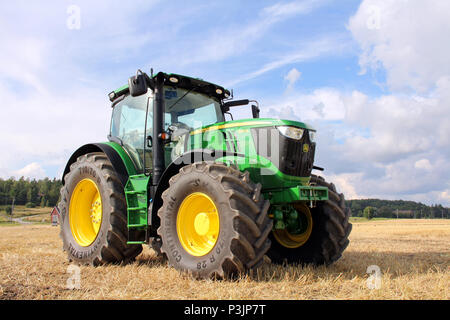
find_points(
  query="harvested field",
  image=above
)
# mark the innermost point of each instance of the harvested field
(412, 255)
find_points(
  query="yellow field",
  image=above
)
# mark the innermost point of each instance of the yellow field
(413, 256)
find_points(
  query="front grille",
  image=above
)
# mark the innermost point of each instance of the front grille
(289, 155)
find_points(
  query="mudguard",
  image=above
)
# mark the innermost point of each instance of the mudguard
(120, 161)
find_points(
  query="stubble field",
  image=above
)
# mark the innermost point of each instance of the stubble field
(412, 255)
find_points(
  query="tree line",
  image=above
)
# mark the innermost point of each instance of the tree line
(45, 193)
(31, 193)
(371, 208)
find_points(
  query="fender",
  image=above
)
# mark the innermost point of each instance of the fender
(120, 161)
(192, 156)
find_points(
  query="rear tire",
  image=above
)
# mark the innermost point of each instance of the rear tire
(244, 226)
(110, 243)
(329, 236)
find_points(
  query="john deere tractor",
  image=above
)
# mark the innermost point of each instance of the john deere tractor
(212, 196)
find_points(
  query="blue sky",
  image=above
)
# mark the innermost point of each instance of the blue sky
(371, 76)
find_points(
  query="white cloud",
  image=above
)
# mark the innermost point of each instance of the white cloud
(23, 59)
(291, 77)
(32, 170)
(345, 184)
(444, 196)
(308, 51)
(225, 42)
(324, 104)
(280, 10)
(423, 164)
(395, 145)
(408, 39)
(49, 128)
(388, 146)
(51, 104)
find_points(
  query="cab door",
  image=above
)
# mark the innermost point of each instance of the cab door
(131, 127)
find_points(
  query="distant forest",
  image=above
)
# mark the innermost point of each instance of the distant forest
(31, 193)
(45, 193)
(371, 208)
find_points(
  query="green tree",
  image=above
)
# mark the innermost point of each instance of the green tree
(53, 194)
(385, 212)
(369, 212)
(43, 201)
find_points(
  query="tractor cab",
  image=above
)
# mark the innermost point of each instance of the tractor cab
(188, 104)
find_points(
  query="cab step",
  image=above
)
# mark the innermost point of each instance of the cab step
(137, 206)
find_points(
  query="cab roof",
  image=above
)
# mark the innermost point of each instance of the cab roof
(181, 81)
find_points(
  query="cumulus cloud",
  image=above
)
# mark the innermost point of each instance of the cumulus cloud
(423, 164)
(399, 126)
(391, 146)
(395, 145)
(408, 39)
(408, 128)
(32, 170)
(50, 104)
(291, 77)
(49, 128)
(323, 103)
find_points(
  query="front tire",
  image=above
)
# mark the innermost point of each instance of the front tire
(329, 235)
(214, 221)
(93, 213)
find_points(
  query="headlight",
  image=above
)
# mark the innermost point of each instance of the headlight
(291, 132)
(312, 136)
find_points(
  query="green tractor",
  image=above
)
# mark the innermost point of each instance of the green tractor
(212, 196)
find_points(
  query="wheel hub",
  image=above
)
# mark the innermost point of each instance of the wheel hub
(85, 212)
(201, 223)
(198, 224)
(96, 211)
(296, 229)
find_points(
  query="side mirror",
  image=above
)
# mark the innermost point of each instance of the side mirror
(138, 84)
(226, 106)
(235, 103)
(255, 111)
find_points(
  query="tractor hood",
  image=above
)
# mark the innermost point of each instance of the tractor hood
(252, 123)
(261, 145)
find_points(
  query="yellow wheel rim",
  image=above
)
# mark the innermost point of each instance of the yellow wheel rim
(198, 224)
(85, 212)
(293, 241)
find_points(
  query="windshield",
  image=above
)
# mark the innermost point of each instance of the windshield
(192, 109)
(183, 109)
